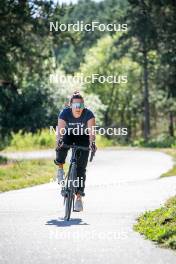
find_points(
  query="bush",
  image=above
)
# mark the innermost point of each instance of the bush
(102, 142)
(28, 141)
(3, 160)
(161, 141)
(43, 140)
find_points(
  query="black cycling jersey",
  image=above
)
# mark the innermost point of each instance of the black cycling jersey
(73, 122)
(78, 136)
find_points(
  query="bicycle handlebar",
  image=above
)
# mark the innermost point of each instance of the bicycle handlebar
(75, 146)
(80, 147)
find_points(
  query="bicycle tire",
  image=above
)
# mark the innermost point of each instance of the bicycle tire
(70, 193)
(68, 206)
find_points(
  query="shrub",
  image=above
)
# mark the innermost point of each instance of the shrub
(161, 141)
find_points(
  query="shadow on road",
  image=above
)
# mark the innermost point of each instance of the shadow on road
(61, 222)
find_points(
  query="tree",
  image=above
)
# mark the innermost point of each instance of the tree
(142, 29)
(122, 100)
(70, 53)
(164, 17)
(25, 51)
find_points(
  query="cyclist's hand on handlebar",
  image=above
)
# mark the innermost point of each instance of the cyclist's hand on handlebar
(59, 144)
(93, 147)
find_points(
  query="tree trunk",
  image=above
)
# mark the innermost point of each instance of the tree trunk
(146, 98)
(171, 124)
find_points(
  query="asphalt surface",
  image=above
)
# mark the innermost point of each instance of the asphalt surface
(120, 185)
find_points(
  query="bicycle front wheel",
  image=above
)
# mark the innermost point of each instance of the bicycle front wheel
(68, 204)
(69, 198)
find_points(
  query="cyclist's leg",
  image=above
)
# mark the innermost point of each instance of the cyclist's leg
(81, 170)
(61, 153)
(82, 163)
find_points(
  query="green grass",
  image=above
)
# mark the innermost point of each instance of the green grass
(103, 142)
(172, 172)
(159, 225)
(44, 140)
(28, 141)
(16, 175)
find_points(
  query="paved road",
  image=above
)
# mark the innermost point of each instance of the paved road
(120, 185)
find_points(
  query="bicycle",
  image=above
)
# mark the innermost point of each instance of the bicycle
(68, 191)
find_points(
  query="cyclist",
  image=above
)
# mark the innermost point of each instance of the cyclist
(75, 116)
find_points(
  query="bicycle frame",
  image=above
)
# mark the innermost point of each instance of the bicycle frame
(70, 189)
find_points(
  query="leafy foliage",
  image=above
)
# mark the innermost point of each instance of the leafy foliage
(146, 53)
(160, 225)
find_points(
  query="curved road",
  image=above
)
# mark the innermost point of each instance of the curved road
(121, 184)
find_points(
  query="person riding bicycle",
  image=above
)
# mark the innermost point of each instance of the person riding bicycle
(75, 116)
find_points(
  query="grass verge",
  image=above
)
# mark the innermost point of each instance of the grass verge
(160, 225)
(21, 174)
(171, 152)
(44, 140)
(28, 141)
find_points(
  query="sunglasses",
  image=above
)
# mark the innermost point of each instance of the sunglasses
(77, 105)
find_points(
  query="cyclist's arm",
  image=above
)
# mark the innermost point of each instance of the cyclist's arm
(91, 126)
(60, 128)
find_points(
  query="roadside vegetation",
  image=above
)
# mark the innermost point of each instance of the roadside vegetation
(171, 152)
(160, 225)
(161, 141)
(43, 140)
(142, 95)
(31, 141)
(20, 174)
